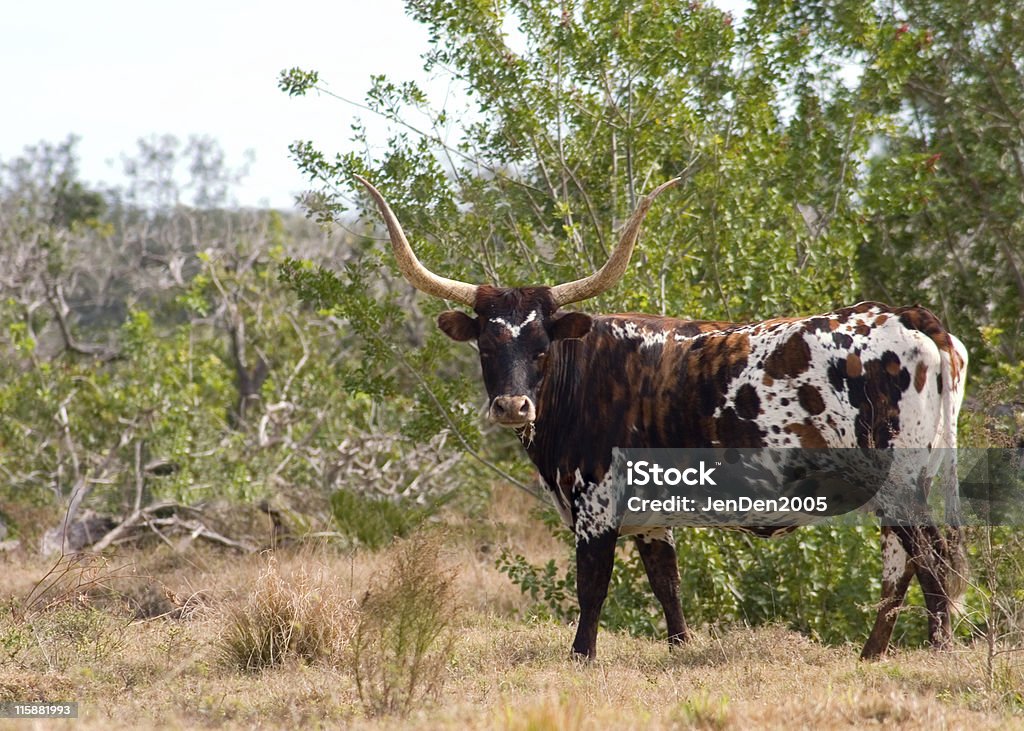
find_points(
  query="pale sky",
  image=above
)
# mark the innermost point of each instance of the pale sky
(112, 71)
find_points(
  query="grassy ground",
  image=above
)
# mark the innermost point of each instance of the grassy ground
(170, 671)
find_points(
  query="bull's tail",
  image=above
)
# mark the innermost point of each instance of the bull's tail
(956, 573)
(954, 373)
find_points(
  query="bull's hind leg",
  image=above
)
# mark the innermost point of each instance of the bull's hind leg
(897, 571)
(934, 559)
(595, 556)
(658, 553)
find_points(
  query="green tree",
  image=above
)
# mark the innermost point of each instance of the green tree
(589, 106)
(944, 204)
(586, 107)
(595, 104)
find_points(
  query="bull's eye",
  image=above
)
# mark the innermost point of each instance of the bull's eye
(539, 356)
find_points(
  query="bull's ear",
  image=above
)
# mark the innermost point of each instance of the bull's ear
(570, 325)
(458, 325)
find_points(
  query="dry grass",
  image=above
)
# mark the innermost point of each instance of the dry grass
(502, 673)
(402, 638)
(300, 615)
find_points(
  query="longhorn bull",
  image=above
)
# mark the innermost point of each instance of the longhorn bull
(575, 386)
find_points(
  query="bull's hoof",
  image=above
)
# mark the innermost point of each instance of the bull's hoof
(678, 640)
(583, 658)
(872, 652)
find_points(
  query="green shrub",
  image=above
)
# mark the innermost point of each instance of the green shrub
(60, 637)
(727, 576)
(374, 522)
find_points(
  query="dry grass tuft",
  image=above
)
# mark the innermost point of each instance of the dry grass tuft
(402, 639)
(299, 615)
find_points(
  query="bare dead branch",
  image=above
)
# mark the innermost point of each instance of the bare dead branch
(55, 296)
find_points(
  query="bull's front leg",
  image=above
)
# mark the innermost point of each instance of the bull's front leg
(595, 523)
(595, 556)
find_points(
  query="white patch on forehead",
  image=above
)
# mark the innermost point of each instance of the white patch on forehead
(630, 331)
(515, 329)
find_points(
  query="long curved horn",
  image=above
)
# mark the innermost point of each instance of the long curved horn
(418, 275)
(613, 269)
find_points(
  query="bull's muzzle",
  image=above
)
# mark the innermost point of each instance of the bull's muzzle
(512, 410)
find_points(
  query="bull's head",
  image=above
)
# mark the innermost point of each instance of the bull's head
(513, 327)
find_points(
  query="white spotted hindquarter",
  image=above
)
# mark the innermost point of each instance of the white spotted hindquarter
(831, 402)
(861, 380)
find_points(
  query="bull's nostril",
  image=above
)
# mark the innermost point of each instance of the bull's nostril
(524, 408)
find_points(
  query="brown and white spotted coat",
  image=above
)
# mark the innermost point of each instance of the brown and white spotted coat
(862, 376)
(575, 387)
